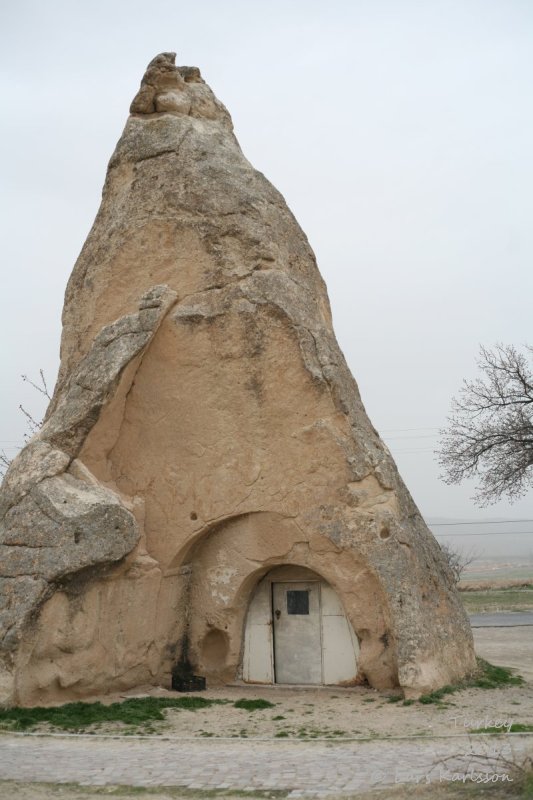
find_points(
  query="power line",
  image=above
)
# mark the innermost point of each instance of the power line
(410, 452)
(396, 430)
(423, 436)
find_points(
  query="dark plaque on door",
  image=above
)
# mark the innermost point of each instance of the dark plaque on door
(297, 602)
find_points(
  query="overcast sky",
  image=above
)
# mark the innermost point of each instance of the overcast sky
(400, 134)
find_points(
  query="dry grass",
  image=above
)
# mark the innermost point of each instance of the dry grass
(504, 599)
(487, 585)
(435, 791)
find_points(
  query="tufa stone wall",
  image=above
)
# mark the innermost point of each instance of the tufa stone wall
(204, 429)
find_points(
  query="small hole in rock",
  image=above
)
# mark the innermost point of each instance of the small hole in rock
(384, 533)
(194, 515)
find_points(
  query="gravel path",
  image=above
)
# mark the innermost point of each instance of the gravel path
(301, 768)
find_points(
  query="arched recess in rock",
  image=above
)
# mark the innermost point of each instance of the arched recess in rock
(226, 562)
(297, 632)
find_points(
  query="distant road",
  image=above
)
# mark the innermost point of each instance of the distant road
(501, 619)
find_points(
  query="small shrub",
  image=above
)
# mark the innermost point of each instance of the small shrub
(491, 677)
(394, 698)
(516, 727)
(438, 694)
(253, 705)
(487, 676)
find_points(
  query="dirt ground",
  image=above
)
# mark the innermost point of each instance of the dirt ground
(343, 713)
(509, 647)
(351, 713)
(40, 791)
(335, 713)
(361, 711)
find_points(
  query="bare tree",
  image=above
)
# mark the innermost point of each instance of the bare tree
(5, 461)
(457, 560)
(32, 423)
(490, 429)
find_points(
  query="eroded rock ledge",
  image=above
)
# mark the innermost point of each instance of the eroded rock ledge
(166, 88)
(56, 519)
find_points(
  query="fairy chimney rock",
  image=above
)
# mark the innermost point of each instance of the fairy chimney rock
(206, 472)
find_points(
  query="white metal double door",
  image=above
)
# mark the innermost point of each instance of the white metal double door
(297, 632)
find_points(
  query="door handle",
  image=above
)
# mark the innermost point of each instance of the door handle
(277, 613)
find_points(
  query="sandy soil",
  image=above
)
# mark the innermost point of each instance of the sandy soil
(335, 713)
(40, 791)
(360, 711)
(330, 712)
(511, 647)
(343, 713)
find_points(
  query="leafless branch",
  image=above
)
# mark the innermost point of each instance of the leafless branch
(491, 758)
(33, 425)
(490, 430)
(457, 560)
(43, 388)
(5, 461)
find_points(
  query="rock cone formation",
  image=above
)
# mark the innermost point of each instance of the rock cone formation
(204, 430)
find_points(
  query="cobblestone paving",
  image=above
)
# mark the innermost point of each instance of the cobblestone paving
(302, 768)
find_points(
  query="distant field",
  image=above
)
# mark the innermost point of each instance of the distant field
(503, 573)
(512, 599)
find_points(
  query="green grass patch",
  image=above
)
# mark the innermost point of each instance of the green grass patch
(516, 727)
(133, 713)
(253, 705)
(487, 676)
(76, 716)
(477, 602)
(491, 677)
(394, 698)
(438, 694)
(65, 791)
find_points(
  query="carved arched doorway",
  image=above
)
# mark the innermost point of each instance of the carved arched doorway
(296, 632)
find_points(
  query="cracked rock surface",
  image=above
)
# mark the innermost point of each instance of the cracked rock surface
(204, 428)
